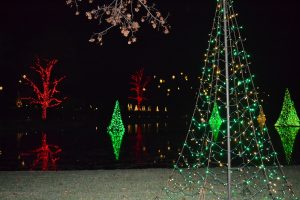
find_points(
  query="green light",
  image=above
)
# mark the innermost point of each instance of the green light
(288, 136)
(288, 115)
(215, 121)
(116, 130)
(203, 161)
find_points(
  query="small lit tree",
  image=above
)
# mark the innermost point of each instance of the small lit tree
(139, 85)
(127, 15)
(45, 95)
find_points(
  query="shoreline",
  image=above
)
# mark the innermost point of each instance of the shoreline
(131, 184)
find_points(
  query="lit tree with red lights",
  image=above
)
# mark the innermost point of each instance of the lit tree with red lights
(139, 85)
(125, 15)
(45, 95)
(45, 154)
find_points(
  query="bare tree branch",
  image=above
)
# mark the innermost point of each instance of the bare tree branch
(127, 15)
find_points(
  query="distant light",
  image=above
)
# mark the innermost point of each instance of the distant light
(24, 76)
(20, 81)
(158, 86)
(1, 88)
(144, 89)
(160, 80)
(181, 73)
(168, 89)
(157, 110)
(178, 88)
(173, 77)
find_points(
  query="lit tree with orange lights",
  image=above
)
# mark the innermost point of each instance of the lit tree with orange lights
(126, 15)
(45, 95)
(139, 85)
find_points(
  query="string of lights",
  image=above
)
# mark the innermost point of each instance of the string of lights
(201, 171)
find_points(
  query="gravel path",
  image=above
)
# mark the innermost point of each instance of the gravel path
(131, 184)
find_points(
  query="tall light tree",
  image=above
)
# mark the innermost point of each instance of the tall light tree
(227, 152)
(125, 15)
(45, 93)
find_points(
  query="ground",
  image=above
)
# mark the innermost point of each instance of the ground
(129, 184)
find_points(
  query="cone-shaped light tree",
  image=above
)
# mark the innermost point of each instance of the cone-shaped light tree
(227, 153)
(116, 130)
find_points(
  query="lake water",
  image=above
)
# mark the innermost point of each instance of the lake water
(143, 145)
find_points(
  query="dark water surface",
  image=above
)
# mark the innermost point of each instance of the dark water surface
(144, 145)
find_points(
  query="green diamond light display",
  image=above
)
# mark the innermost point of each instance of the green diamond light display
(288, 115)
(215, 121)
(116, 130)
(288, 125)
(288, 135)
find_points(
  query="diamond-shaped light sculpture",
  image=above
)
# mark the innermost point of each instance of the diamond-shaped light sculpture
(215, 121)
(288, 135)
(116, 130)
(288, 125)
(288, 115)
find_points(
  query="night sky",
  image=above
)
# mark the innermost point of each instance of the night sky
(100, 74)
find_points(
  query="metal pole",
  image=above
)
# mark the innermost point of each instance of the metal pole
(227, 103)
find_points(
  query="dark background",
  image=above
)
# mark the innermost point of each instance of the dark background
(100, 74)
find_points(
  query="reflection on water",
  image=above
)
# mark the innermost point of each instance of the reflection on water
(288, 135)
(139, 143)
(45, 156)
(144, 145)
